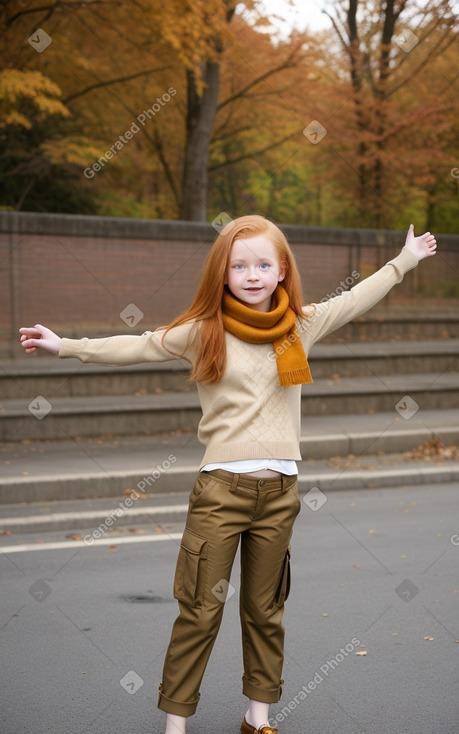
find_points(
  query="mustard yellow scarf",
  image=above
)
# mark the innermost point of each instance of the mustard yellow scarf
(277, 326)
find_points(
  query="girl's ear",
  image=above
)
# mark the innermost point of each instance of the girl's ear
(282, 270)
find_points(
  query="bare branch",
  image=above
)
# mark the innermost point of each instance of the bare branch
(109, 82)
(287, 64)
(338, 32)
(51, 7)
(253, 154)
(427, 60)
(157, 144)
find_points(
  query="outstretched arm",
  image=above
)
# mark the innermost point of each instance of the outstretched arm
(327, 316)
(115, 350)
(39, 336)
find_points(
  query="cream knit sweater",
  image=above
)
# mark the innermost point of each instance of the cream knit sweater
(247, 415)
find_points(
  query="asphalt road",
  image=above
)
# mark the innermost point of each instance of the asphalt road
(83, 630)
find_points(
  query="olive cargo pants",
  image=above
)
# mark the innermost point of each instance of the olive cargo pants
(224, 508)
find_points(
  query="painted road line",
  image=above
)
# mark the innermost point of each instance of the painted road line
(8, 549)
(93, 514)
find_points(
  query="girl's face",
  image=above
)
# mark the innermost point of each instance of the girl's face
(254, 271)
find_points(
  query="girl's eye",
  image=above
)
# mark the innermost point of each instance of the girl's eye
(264, 266)
(238, 266)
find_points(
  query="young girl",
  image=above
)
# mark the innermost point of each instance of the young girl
(246, 335)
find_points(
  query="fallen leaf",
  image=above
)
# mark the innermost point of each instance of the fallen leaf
(112, 547)
(136, 531)
(429, 638)
(74, 536)
(361, 652)
(431, 450)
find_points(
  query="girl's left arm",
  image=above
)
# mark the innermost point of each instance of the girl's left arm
(327, 316)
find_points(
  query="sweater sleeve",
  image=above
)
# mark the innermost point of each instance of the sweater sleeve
(180, 343)
(325, 317)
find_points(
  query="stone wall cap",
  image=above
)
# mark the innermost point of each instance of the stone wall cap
(80, 225)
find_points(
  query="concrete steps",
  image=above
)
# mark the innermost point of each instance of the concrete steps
(112, 515)
(61, 418)
(58, 399)
(109, 466)
(72, 431)
(27, 378)
(403, 325)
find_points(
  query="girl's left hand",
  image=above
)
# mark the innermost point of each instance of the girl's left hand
(421, 247)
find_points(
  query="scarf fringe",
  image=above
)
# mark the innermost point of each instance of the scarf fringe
(295, 377)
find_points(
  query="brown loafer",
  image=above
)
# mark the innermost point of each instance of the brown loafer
(247, 729)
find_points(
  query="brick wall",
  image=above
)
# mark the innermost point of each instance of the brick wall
(77, 274)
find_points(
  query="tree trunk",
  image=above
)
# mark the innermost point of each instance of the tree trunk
(201, 112)
(200, 119)
(355, 58)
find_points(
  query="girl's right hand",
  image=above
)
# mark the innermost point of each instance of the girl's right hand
(34, 337)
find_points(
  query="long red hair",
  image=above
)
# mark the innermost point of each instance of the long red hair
(206, 306)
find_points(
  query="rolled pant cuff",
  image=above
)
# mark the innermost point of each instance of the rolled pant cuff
(176, 707)
(259, 694)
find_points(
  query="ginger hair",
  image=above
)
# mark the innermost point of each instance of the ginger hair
(206, 306)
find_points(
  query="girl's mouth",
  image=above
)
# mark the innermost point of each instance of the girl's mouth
(253, 290)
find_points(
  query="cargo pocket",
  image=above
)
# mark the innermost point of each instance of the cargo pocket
(191, 569)
(283, 588)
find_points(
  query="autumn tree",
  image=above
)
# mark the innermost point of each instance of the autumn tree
(389, 50)
(232, 136)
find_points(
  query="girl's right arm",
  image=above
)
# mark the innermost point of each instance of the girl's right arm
(126, 349)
